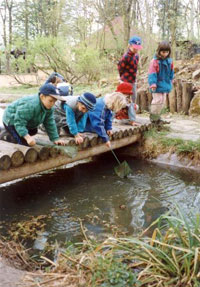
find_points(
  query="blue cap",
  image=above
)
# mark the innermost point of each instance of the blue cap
(65, 89)
(136, 42)
(88, 100)
(51, 90)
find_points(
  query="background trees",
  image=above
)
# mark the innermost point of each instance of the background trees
(79, 37)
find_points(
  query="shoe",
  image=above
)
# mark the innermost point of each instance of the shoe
(154, 118)
(6, 136)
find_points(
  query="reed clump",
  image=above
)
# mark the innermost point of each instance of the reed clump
(170, 257)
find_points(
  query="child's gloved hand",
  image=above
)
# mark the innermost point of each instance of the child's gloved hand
(30, 140)
(78, 139)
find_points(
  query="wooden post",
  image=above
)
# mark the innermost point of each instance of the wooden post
(143, 101)
(187, 96)
(172, 101)
(178, 88)
(149, 100)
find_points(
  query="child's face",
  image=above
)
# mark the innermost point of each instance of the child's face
(47, 101)
(82, 108)
(133, 50)
(164, 54)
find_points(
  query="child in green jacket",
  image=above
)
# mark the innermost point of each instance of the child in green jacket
(22, 117)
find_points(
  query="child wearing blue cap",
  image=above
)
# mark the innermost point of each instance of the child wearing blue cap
(71, 114)
(22, 117)
(127, 67)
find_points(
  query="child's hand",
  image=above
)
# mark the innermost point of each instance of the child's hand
(30, 140)
(60, 142)
(108, 144)
(153, 89)
(78, 139)
(109, 133)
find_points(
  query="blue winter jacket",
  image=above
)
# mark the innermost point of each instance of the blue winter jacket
(161, 74)
(100, 120)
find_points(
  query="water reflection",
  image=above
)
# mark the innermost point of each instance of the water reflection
(91, 192)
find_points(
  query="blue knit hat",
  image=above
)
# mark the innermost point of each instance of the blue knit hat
(88, 100)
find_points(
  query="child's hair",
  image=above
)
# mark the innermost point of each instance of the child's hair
(115, 101)
(163, 46)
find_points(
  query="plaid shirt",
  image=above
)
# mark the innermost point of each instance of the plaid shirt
(127, 67)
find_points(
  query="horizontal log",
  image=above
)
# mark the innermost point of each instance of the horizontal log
(10, 149)
(29, 169)
(43, 152)
(5, 161)
(30, 154)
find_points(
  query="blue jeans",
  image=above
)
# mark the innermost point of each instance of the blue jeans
(131, 110)
(15, 138)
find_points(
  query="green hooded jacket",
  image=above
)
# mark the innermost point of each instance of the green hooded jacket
(28, 113)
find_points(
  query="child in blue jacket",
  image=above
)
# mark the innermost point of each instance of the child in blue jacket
(71, 114)
(161, 74)
(100, 119)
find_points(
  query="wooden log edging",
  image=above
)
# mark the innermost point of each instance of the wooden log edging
(14, 155)
(39, 166)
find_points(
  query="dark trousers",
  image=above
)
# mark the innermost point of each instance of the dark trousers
(14, 136)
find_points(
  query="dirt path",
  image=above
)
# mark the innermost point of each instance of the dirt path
(9, 81)
(9, 276)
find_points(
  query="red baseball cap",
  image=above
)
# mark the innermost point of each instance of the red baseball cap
(125, 88)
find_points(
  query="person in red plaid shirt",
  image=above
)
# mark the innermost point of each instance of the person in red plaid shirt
(127, 67)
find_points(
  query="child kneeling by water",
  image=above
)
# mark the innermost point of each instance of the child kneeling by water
(71, 115)
(22, 117)
(127, 114)
(100, 119)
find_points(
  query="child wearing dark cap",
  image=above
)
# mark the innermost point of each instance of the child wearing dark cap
(59, 81)
(127, 114)
(127, 67)
(22, 117)
(71, 114)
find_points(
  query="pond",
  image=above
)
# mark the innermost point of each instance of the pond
(91, 193)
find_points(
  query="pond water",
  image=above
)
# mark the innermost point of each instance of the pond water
(92, 193)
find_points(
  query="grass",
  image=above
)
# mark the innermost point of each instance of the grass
(179, 146)
(17, 92)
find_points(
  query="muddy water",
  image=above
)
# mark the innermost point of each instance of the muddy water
(91, 192)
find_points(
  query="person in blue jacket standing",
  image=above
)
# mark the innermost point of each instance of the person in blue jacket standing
(100, 119)
(160, 78)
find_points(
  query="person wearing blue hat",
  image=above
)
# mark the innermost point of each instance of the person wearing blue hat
(22, 117)
(59, 81)
(71, 114)
(127, 67)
